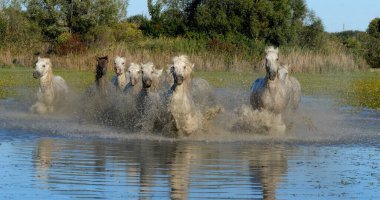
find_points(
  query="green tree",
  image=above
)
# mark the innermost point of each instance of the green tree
(373, 44)
(374, 28)
(75, 16)
(14, 25)
(312, 35)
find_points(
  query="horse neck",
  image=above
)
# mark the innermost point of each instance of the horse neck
(181, 90)
(272, 84)
(101, 81)
(121, 79)
(46, 81)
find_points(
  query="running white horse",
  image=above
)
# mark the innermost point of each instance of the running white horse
(276, 92)
(148, 99)
(187, 116)
(148, 94)
(52, 90)
(151, 77)
(134, 84)
(120, 79)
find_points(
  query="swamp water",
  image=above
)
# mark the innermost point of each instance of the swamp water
(330, 153)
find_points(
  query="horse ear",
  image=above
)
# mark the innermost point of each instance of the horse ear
(38, 58)
(171, 69)
(192, 66)
(276, 50)
(97, 58)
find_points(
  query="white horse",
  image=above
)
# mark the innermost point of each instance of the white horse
(276, 92)
(151, 77)
(134, 84)
(150, 83)
(200, 89)
(148, 99)
(293, 85)
(187, 117)
(52, 90)
(120, 79)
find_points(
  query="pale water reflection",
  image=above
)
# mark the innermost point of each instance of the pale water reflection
(62, 157)
(42, 166)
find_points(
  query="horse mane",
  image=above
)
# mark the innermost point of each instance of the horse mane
(49, 70)
(185, 59)
(271, 49)
(182, 58)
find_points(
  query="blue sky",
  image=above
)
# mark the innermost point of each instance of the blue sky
(335, 14)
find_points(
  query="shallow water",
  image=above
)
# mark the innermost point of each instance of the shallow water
(61, 157)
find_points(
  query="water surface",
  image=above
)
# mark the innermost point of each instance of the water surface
(61, 157)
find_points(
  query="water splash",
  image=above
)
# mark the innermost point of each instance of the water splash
(117, 116)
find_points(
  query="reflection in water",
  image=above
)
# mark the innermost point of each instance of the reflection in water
(178, 170)
(267, 168)
(36, 166)
(43, 158)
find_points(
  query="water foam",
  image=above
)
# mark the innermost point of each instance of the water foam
(317, 121)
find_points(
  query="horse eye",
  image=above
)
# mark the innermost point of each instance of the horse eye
(122, 63)
(184, 67)
(43, 65)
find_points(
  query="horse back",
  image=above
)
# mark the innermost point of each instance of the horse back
(60, 84)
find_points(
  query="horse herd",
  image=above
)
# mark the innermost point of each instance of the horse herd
(172, 102)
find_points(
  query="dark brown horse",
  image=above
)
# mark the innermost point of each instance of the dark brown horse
(101, 74)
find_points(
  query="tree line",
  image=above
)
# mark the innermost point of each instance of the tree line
(76, 25)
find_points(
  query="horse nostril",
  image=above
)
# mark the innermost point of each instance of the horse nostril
(36, 74)
(178, 79)
(147, 83)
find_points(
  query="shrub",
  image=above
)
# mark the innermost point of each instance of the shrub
(69, 44)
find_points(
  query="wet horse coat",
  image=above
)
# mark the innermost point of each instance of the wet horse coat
(276, 92)
(52, 89)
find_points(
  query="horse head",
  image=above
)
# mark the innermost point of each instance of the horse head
(119, 65)
(271, 62)
(101, 66)
(149, 74)
(181, 69)
(134, 71)
(43, 66)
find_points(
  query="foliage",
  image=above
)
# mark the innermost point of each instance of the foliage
(77, 17)
(373, 52)
(374, 28)
(312, 34)
(15, 28)
(373, 45)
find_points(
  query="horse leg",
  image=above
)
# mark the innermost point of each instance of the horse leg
(38, 108)
(278, 126)
(50, 109)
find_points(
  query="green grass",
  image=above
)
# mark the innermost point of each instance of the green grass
(355, 88)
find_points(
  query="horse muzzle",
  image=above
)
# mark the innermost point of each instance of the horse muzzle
(147, 83)
(178, 80)
(36, 74)
(118, 71)
(272, 76)
(133, 82)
